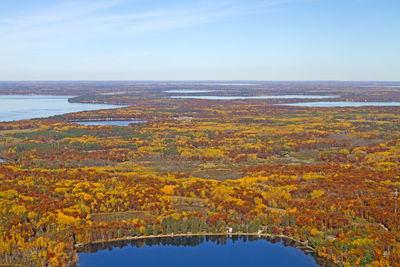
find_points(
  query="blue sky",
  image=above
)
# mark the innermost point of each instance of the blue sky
(200, 40)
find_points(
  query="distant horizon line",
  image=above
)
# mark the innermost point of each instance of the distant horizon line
(202, 81)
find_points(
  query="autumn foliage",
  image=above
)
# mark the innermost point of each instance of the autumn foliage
(324, 176)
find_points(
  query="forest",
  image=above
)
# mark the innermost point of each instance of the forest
(325, 177)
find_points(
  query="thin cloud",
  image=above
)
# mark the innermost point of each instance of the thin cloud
(70, 22)
(72, 13)
(64, 11)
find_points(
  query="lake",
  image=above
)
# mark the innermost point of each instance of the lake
(113, 123)
(197, 251)
(188, 91)
(213, 97)
(390, 86)
(228, 84)
(22, 107)
(343, 104)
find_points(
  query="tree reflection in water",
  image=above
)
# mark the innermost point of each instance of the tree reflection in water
(193, 241)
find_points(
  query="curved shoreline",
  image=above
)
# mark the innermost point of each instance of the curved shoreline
(302, 247)
(298, 244)
(37, 107)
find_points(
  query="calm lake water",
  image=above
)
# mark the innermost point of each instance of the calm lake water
(197, 251)
(22, 107)
(114, 123)
(213, 97)
(390, 86)
(229, 84)
(343, 104)
(188, 91)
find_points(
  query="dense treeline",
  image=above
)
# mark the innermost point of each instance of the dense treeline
(323, 176)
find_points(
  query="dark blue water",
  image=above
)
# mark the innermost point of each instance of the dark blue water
(197, 251)
(114, 123)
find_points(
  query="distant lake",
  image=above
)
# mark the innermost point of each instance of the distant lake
(390, 86)
(114, 123)
(197, 251)
(229, 84)
(213, 97)
(22, 107)
(343, 104)
(188, 91)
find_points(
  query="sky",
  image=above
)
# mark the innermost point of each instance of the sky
(350, 40)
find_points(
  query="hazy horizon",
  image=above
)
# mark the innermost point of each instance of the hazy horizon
(212, 81)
